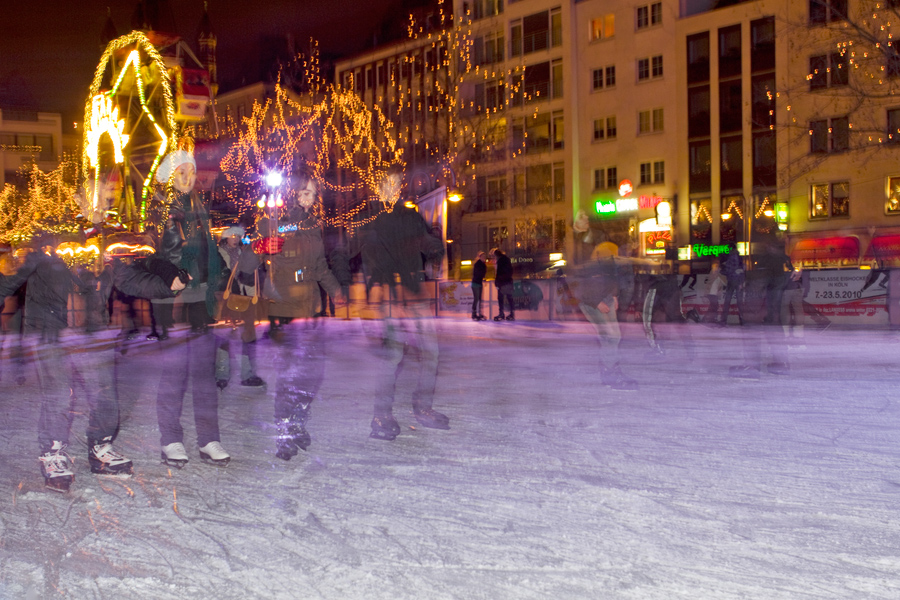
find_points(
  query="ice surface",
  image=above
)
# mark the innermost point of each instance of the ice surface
(548, 485)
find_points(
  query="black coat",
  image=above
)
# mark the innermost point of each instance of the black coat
(478, 272)
(50, 282)
(504, 270)
(399, 242)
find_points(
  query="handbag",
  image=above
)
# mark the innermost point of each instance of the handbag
(240, 302)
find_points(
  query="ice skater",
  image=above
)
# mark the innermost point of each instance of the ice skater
(394, 246)
(67, 360)
(189, 355)
(479, 270)
(294, 276)
(503, 280)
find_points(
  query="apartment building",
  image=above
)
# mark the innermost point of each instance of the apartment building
(792, 105)
(28, 136)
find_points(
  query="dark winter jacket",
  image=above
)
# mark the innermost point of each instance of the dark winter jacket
(478, 272)
(296, 271)
(398, 242)
(50, 282)
(595, 281)
(732, 267)
(187, 243)
(504, 270)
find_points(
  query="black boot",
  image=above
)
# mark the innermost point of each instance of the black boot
(428, 417)
(291, 432)
(384, 426)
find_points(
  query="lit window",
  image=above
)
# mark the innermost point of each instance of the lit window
(603, 27)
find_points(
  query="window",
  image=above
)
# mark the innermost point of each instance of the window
(893, 125)
(381, 75)
(829, 135)
(698, 57)
(556, 27)
(599, 179)
(558, 131)
(762, 40)
(515, 38)
(597, 79)
(730, 51)
(825, 11)
(489, 96)
(486, 8)
(829, 200)
(490, 193)
(730, 103)
(828, 70)
(698, 111)
(612, 178)
(648, 68)
(646, 173)
(700, 156)
(488, 49)
(764, 159)
(605, 129)
(650, 121)
(610, 76)
(556, 74)
(653, 172)
(762, 100)
(603, 27)
(892, 204)
(732, 167)
(535, 32)
(650, 14)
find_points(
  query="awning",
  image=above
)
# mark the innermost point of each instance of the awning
(884, 247)
(826, 249)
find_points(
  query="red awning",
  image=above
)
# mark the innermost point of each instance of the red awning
(884, 247)
(826, 249)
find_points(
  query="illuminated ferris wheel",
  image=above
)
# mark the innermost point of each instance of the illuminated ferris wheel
(131, 121)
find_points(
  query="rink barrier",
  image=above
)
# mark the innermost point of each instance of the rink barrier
(845, 297)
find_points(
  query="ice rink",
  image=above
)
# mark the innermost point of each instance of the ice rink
(548, 485)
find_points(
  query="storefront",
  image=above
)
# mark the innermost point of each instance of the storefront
(826, 253)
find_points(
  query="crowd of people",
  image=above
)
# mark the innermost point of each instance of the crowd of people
(284, 278)
(211, 281)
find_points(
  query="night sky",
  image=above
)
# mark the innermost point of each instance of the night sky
(50, 49)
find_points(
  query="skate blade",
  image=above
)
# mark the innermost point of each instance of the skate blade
(178, 464)
(215, 462)
(61, 487)
(114, 474)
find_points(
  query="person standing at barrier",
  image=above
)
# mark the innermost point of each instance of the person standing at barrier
(503, 280)
(394, 247)
(479, 270)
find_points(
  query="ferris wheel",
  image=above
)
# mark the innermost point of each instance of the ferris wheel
(129, 126)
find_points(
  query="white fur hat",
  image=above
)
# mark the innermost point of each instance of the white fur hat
(233, 230)
(171, 162)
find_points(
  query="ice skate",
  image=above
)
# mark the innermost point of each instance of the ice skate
(292, 437)
(617, 380)
(385, 427)
(56, 468)
(511, 318)
(500, 317)
(174, 455)
(213, 453)
(106, 461)
(428, 417)
(253, 381)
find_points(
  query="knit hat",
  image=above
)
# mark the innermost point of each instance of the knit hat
(171, 162)
(233, 230)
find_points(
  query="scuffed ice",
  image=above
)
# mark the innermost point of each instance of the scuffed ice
(548, 485)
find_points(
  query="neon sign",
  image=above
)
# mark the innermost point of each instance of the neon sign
(621, 205)
(710, 250)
